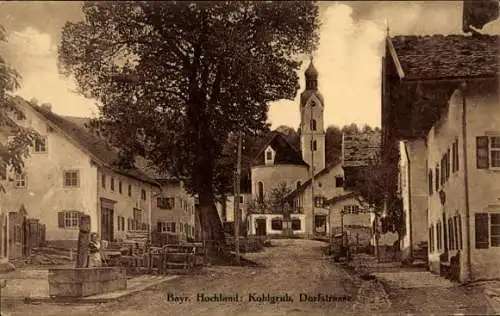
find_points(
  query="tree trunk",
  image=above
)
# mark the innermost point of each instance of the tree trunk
(212, 230)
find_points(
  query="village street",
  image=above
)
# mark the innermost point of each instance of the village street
(288, 267)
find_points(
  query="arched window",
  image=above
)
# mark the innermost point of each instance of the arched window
(260, 191)
(313, 125)
(314, 145)
(298, 184)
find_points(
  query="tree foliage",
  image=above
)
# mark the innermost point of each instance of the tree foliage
(176, 78)
(15, 151)
(274, 202)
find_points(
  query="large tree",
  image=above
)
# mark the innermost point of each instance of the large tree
(176, 78)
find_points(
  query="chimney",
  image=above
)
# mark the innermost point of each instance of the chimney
(47, 107)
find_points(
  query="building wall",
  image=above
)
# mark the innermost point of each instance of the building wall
(483, 118)
(413, 184)
(229, 215)
(325, 186)
(252, 218)
(274, 175)
(336, 221)
(44, 194)
(124, 204)
(182, 213)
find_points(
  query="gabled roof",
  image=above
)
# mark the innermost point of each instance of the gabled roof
(342, 197)
(98, 149)
(304, 185)
(445, 57)
(286, 154)
(360, 149)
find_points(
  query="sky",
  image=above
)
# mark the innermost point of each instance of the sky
(348, 56)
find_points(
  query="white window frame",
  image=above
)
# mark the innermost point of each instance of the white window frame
(66, 172)
(69, 217)
(20, 180)
(44, 143)
(492, 149)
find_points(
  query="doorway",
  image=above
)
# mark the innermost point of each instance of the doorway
(260, 226)
(107, 227)
(320, 224)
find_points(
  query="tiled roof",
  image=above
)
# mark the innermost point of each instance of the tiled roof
(360, 149)
(339, 198)
(285, 153)
(96, 147)
(443, 57)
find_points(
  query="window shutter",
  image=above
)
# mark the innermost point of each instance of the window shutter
(60, 219)
(158, 227)
(448, 164)
(456, 156)
(482, 152)
(173, 227)
(482, 233)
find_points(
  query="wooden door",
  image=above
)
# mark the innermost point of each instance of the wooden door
(107, 224)
(260, 227)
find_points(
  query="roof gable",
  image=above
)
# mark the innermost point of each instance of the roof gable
(98, 149)
(284, 152)
(306, 184)
(445, 57)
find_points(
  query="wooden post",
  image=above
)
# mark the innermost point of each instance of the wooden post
(237, 201)
(83, 242)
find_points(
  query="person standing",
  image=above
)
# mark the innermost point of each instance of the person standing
(95, 259)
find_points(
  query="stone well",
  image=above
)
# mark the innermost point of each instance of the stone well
(81, 282)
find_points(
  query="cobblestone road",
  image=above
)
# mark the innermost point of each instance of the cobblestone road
(290, 267)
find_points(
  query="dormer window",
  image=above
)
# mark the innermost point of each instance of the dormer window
(269, 156)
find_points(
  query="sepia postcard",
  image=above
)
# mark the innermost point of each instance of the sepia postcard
(249, 157)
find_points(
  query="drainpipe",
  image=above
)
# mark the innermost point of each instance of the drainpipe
(463, 86)
(410, 232)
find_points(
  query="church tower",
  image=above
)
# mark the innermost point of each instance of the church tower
(312, 130)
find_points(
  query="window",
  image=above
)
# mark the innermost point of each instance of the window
(3, 171)
(430, 182)
(186, 229)
(123, 222)
(166, 227)
(241, 198)
(454, 154)
(19, 115)
(339, 181)
(351, 209)
(319, 201)
(68, 219)
(269, 155)
(296, 223)
(103, 180)
(438, 235)
(314, 145)
(431, 238)
(276, 224)
(260, 191)
(165, 203)
(451, 234)
(120, 187)
(448, 164)
(71, 178)
(313, 125)
(20, 180)
(482, 152)
(443, 170)
(129, 190)
(298, 184)
(482, 230)
(437, 178)
(40, 145)
(456, 224)
(143, 194)
(112, 184)
(137, 218)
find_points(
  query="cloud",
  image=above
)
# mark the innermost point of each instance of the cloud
(34, 55)
(348, 62)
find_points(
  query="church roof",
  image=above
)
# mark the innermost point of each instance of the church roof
(311, 70)
(286, 154)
